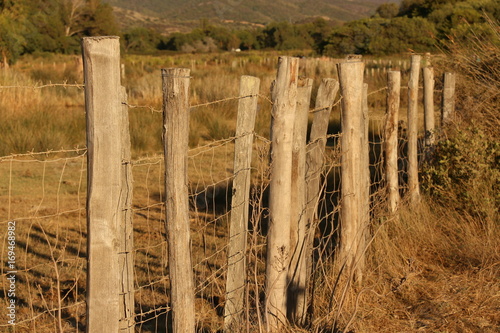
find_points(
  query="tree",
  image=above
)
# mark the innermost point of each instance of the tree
(403, 34)
(73, 13)
(248, 39)
(226, 39)
(141, 40)
(13, 25)
(387, 10)
(286, 36)
(99, 20)
(319, 30)
(354, 37)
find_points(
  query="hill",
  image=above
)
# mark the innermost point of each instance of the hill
(175, 14)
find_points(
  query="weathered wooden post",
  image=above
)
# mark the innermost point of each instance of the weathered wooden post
(365, 180)
(297, 275)
(175, 141)
(327, 92)
(351, 87)
(391, 138)
(413, 185)
(278, 238)
(315, 151)
(429, 123)
(236, 271)
(101, 58)
(126, 256)
(448, 112)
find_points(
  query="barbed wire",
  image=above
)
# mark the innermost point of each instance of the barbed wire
(326, 107)
(41, 86)
(77, 150)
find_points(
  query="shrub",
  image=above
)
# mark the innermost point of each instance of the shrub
(466, 169)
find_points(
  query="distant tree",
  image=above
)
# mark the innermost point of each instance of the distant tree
(99, 20)
(58, 25)
(13, 26)
(141, 40)
(286, 36)
(319, 30)
(450, 16)
(248, 39)
(412, 8)
(73, 14)
(354, 37)
(403, 34)
(387, 10)
(223, 37)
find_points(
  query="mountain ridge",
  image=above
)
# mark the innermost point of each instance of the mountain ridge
(178, 15)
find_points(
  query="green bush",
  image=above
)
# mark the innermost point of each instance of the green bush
(465, 169)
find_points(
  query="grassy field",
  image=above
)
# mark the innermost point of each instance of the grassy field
(432, 268)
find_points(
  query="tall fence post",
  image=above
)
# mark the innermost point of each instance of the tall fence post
(297, 273)
(413, 185)
(448, 112)
(126, 257)
(175, 140)
(364, 181)
(429, 123)
(278, 238)
(391, 138)
(101, 57)
(315, 158)
(351, 87)
(236, 270)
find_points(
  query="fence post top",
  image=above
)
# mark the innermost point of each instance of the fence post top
(288, 59)
(179, 73)
(416, 58)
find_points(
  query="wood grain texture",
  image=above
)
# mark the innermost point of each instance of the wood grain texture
(101, 58)
(175, 139)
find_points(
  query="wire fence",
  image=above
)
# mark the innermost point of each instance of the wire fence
(45, 194)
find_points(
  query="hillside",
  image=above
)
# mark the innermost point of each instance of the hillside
(174, 14)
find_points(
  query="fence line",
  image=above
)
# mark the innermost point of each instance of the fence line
(210, 188)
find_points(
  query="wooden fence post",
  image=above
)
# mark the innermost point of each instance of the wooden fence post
(364, 182)
(297, 275)
(413, 185)
(391, 138)
(278, 238)
(429, 123)
(126, 257)
(448, 112)
(236, 270)
(175, 140)
(351, 87)
(315, 152)
(101, 56)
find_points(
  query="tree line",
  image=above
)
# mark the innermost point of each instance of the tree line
(29, 26)
(414, 25)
